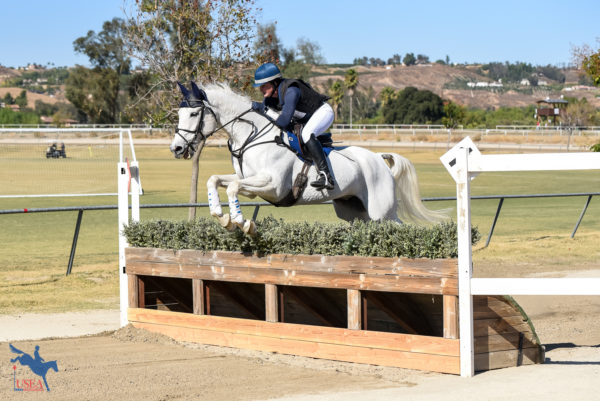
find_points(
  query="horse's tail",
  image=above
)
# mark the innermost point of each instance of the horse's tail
(410, 207)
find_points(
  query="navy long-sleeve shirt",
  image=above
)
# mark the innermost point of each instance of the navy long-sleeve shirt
(289, 102)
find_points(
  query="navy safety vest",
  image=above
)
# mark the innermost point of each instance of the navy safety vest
(310, 99)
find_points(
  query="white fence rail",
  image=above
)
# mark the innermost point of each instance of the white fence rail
(464, 162)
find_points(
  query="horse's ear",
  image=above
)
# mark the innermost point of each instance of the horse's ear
(183, 90)
(198, 93)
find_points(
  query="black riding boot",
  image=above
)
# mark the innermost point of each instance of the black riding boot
(315, 151)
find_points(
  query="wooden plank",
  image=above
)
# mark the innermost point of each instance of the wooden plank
(450, 316)
(271, 306)
(356, 338)
(312, 349)
(133, 291)
(198, 294)
(385, 283)
(354, 310)
(500, 326)
(506, 359)
(503, 342)
(351, 264)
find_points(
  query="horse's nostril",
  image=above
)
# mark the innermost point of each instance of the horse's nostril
(178, 149)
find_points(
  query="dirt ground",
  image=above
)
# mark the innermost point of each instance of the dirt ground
(136, 365)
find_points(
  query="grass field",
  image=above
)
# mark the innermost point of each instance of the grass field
(35, 247)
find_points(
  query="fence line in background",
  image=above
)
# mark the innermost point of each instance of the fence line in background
(359, 129)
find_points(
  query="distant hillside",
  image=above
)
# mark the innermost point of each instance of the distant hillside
(446, 82)
(32, 97)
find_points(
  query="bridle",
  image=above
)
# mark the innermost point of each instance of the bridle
(199, 136)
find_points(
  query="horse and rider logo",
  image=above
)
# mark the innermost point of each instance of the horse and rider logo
(37, 365)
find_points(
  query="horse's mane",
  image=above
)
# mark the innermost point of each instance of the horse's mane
(226, 99)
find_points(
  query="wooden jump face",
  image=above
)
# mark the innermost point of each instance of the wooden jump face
(384, 311)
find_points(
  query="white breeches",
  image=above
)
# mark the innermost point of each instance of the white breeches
(319, 122)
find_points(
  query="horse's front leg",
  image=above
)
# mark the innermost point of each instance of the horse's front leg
(257, 183)
(214, 202)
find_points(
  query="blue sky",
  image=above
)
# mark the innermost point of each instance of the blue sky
(537, 32)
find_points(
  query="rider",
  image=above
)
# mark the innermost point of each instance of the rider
(36, 354)
(298, 103)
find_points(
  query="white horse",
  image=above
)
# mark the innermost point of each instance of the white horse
(366, 188)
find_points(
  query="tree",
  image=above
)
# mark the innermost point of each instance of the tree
(409, 59)
(422, 59)
(21, 100)
(351, 82)
(92, 92)
(588, 59)
(8, 99)
(395, 59)
(454, 115)
(413, 106)
(578, 113)
(296, 69)
(386, 95)
(183, 40)
(364, 106)
(267, 46)
(289, 55)
(336, 92)
(96, 92)
(309, 51)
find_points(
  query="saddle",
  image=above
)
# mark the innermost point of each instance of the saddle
(293, 141)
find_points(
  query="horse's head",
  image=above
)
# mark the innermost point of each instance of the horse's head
(197, 121)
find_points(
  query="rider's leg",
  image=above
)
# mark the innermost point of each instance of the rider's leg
(317, 125)
(315, 151)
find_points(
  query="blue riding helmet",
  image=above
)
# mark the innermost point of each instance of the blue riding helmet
(266, 73)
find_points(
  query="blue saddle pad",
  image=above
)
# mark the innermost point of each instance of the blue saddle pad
(295, 144)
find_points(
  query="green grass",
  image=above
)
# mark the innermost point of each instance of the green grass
(35, 247)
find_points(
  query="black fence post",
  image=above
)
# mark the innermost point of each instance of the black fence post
(74, 245)
(589, 199)
(487, 242)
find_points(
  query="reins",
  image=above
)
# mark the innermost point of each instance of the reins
(237, 153)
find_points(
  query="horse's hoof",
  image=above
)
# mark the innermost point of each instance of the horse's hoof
(249, 228)
(225, 222)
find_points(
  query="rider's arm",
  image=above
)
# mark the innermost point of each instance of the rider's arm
(291, 99)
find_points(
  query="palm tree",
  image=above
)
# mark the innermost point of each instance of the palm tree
(386, 95)
(336, 92)
(351, 82)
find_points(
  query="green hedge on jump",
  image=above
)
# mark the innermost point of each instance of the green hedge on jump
(387, 239)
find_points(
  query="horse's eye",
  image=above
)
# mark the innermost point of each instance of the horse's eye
(194, 114)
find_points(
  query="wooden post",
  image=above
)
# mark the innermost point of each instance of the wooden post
(133, 291)
(354, 309)
(271, 308)
(450, 316)
(198, 296)
(364, 306)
